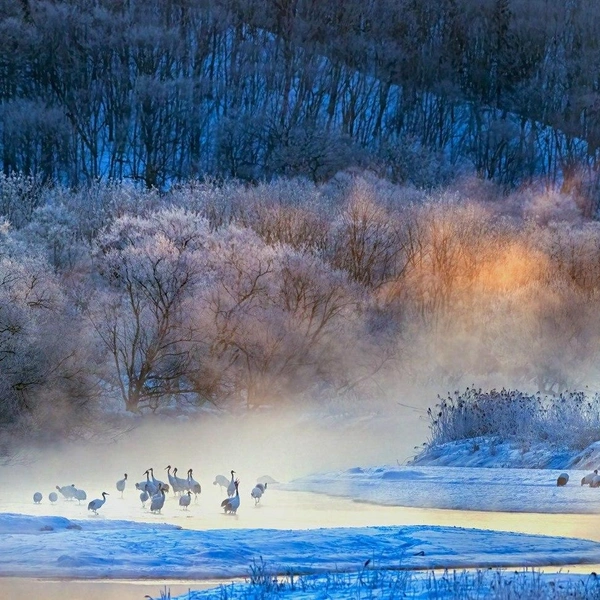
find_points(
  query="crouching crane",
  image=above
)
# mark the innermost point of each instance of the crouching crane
(258, 491)
(185, 500)
(221, 481)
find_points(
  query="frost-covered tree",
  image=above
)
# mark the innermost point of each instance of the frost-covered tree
(45, 386)
(367, 241)
(278, 314)
(150, 266)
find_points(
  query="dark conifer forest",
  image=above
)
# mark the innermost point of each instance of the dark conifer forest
(162, 91)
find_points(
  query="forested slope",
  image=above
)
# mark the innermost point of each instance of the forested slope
(161, 91)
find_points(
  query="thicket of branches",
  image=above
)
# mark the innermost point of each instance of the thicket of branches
(161, 91)
(117, 298)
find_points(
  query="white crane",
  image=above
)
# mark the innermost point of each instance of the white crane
(182, 484)
(79, 495)
(178, 485)
(68, 491)
(98, 503)
(158, 500)
(172, 480)
(121, 484)
(185, 500)
(142, 486)
(258, 491)
(149, 486)
(193, 485)
(230, 505)
(37, 497)
(231, 488)
(222, 481)
(158, 482)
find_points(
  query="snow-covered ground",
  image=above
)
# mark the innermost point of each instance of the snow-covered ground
(59, 547)
(494, 453)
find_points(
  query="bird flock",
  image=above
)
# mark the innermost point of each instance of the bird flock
(155, 491)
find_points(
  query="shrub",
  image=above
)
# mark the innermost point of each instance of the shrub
(570, 420)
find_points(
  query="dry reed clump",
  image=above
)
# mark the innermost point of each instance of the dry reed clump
(570, 420)
(371, 581)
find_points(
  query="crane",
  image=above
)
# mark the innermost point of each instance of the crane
(158, 500)
(185, 500)
(222, 481)
(258, 491)
(231, 488)
(121, 484)
(98, 503)
(193, 485)
(230, 505)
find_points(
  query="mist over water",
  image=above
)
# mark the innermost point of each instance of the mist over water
(282, 443)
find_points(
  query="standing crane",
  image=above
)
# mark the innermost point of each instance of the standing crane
(230, 505)
(182, 483)
(158, 482)
(158, 500)
(96, 504)
(231, 488)
(193, 485)
(121, 484)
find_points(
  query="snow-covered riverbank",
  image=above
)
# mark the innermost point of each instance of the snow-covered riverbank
(59, 547)
(458, 488)
(491, 452)
(56, 546)
(126, 542)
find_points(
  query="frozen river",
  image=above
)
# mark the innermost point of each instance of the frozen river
(279, 509)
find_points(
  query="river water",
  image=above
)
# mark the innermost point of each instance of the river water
(280, 509)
